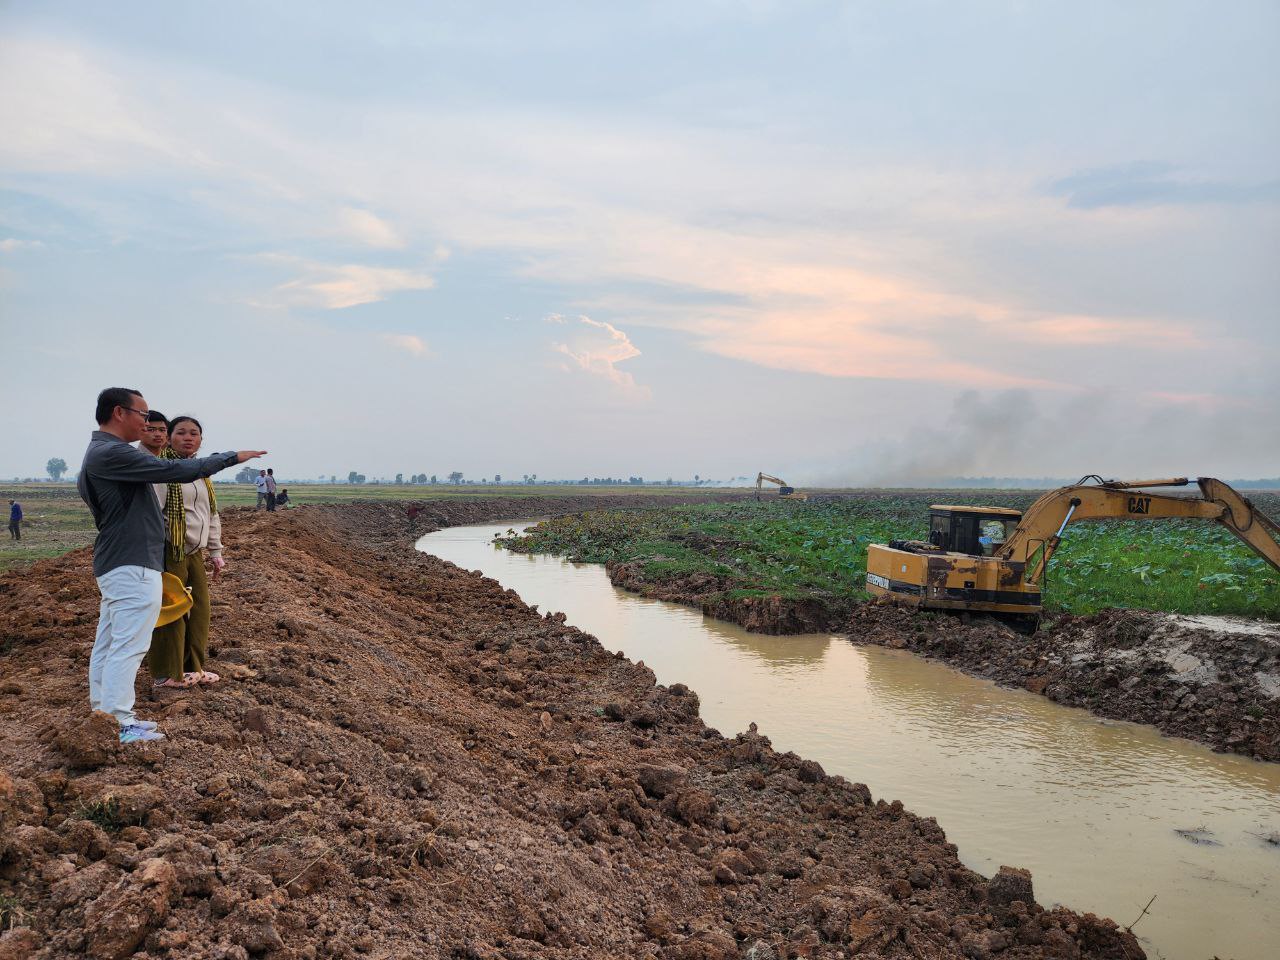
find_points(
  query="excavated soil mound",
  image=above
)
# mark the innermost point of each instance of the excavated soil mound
(1211, 679)
(708, 593)
(404, 760)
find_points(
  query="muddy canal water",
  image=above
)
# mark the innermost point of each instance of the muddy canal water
(1091, 807)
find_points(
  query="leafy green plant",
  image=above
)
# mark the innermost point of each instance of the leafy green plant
(11, 912)
(106, 813)
(819, 549)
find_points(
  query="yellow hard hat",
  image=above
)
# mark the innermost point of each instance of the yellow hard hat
(177, 600)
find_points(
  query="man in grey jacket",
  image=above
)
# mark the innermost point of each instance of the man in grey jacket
(128, 555)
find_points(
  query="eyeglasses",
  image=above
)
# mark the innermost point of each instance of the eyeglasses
(142, 413)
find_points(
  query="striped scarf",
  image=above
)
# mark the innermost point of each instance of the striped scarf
(175, 512)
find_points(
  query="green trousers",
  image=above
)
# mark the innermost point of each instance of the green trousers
(182, 646)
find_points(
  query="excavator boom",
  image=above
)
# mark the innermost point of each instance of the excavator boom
(1040, 531)
(1246, 521)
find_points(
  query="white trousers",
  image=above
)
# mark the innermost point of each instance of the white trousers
(131, 599)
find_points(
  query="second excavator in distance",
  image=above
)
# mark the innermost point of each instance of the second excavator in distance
(993, 560)
(785, 492)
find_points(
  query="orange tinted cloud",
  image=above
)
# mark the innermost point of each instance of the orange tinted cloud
(598, 350)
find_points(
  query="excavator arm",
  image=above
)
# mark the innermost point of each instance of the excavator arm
(1040, 531)
(1245, 520)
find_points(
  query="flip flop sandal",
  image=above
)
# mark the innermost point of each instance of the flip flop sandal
(168, 683)
(207, 677)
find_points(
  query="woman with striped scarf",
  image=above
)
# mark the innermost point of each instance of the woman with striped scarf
(193, 530)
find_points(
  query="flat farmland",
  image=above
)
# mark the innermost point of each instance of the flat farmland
(57, 521)
(813, 550)
(802, 551)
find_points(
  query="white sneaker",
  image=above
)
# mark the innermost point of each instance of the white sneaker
(136, 733)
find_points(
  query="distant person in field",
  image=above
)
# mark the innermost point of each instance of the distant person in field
(282, 498)
(271, 490)
(15, 520)
(260, 481)
(155, 433)
(193, 533)
(128, 555)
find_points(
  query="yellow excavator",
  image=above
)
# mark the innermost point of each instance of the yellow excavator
(784, 492)
(993, 560)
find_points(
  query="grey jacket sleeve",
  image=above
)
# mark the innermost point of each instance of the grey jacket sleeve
(123, 463)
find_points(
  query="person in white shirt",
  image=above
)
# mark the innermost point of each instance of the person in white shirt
(260, 481)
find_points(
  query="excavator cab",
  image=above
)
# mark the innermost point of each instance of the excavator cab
(975, 531)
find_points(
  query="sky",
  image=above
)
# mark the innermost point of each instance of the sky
(842, 243)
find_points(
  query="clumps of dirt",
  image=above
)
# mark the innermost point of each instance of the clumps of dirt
(714, 596)
(1212, 680)
(413, 763)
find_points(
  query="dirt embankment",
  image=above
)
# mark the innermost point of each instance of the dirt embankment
(712, 595)
(1211, 679)
(413, 763)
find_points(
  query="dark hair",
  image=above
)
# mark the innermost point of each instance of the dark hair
(173, 424)
(111, 398)
(155, 416)
(271, 471)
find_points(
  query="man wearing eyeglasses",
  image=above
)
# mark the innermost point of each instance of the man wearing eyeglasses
(128, 555)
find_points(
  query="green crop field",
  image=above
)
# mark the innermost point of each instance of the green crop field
(819, 548)
(789, 548)
(56, 520)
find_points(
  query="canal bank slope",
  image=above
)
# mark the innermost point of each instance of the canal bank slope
(1215, 680)
(404, 760)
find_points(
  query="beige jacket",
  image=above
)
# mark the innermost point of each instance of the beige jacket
(204, 527)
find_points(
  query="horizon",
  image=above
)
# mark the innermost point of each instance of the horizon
(712, 483)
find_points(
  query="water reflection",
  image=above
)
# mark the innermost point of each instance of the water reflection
(1090, 806)
(808, 649)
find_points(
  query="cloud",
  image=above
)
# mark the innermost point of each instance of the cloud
(406, 342)
(337, 286)
(812, 257)
(841, 320)
(72, 114)
(370, 229)
(1152, 185)
(598, 350)
(10, 244)
(1063, 329)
